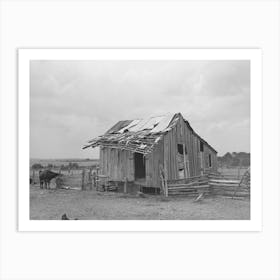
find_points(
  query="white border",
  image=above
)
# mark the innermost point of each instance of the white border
(254, 55)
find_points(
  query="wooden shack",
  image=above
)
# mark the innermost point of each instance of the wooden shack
(136, 150)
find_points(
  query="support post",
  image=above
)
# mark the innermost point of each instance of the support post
(201, 163)
(161, 172)
(185, 164)
(165, 180)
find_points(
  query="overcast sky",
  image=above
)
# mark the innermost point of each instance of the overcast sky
(74, 101)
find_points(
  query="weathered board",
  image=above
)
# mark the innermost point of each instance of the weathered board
(196, 160)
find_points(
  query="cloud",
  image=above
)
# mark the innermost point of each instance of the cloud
(73, 101)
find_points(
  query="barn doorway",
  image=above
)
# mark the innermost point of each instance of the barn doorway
(139, 165)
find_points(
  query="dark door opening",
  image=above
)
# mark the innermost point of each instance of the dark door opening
(139, 165)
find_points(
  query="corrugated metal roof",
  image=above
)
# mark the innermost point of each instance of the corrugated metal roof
(129, 126)
(119, 125)
(139, 135)
(163, 124)
(155, 124)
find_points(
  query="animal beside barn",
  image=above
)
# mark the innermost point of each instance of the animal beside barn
(45, 177)
(136, 150)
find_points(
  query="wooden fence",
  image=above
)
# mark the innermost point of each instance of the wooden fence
(208, 184)
(192, 185)
(80, 179)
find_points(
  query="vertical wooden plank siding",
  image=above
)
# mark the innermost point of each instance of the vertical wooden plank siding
(119, 164)
(153, 162)
(182, 134)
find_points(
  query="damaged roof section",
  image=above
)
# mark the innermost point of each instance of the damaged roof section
(138, 135)
(135, 135)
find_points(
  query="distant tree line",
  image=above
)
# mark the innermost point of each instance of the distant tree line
(70, 165)
(234, 159)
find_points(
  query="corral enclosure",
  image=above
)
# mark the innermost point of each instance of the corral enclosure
(71, 169)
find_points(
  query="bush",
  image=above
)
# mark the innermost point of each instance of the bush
(73, 165)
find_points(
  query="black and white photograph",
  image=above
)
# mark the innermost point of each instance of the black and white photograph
(140, 139)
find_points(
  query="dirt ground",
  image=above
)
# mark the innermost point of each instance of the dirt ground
(92, 205)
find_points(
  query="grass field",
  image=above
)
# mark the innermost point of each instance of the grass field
(92, 205)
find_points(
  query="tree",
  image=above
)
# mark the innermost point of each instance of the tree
(37, 166)
(235, 162)
(246, 161)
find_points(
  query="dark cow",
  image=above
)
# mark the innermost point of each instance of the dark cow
(45, 178)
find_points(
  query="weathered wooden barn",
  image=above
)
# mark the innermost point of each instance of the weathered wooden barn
(136, 150)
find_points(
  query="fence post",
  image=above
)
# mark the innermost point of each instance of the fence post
(94, 179)
(33, 176)
(125, 185)
(83, 180)
(208, 176)
(90, 179)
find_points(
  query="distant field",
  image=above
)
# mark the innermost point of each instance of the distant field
(238, 172)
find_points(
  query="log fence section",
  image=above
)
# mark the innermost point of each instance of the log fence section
(208, 184)
(192, 186)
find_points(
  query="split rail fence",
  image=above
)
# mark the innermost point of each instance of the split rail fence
(208, 184)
